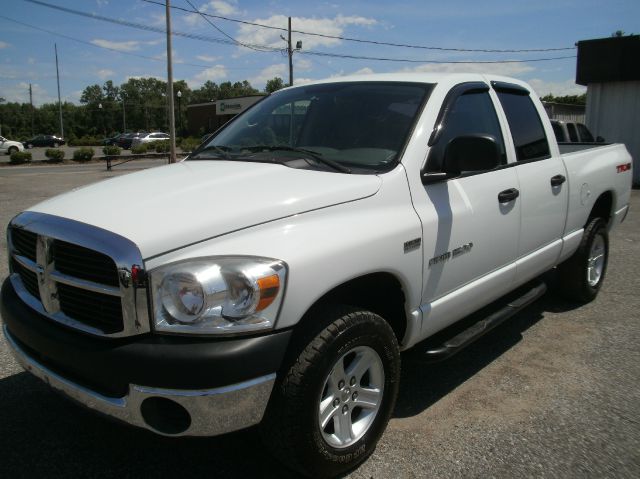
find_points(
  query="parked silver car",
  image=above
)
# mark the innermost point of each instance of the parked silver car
(149, 137)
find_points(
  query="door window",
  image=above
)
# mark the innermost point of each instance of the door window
(471, 114)
(526, 128)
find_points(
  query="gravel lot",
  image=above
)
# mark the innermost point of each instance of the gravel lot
(555, 392)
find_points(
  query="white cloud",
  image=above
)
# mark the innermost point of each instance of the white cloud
(217, 7)
(509, 69)
(214, 73)
(127, 46)
(560, 88)
(4, 45)
(102, 3)
(223, 8)
(19, 92)
(31, 61)
(336, 26)
(207, 58)
(302, 64)
(272, 71)
(105, 73)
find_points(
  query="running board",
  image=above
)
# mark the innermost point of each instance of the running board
(462, 339)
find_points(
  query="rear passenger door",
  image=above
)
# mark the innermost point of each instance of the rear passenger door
(542, 179)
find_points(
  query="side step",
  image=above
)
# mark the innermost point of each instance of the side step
(451, 346)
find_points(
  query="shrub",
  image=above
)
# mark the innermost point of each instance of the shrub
(83, 154)
(138, 149)
(19, 157)
(111, 150)
(54, 155)
(162, 146)
(189, 144)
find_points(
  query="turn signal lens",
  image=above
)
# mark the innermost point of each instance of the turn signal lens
(269, 288)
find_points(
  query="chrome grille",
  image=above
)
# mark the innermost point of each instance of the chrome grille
(29, 279)
(24, 243)
(99, 310)
(77, 274)
(84, 263)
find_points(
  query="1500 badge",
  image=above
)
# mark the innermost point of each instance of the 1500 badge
(465, 248)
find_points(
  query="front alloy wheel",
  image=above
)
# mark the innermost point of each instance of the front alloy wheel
(335, 395)
(351, 397)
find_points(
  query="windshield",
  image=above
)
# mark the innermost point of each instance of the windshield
(360, 127)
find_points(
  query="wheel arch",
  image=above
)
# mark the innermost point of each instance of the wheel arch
(380, 292)
(602, 208)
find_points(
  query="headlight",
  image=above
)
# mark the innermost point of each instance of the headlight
(224, 295)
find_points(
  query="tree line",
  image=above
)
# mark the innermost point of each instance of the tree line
(139, 104)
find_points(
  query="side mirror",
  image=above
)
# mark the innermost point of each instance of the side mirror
(464, 154)
(599, 139)
(470, 153)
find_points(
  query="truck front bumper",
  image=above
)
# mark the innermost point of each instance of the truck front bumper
(172, 386)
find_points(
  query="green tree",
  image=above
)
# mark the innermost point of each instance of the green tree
(274, 84)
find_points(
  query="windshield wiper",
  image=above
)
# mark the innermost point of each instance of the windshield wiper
(313, 154)
(218, 149)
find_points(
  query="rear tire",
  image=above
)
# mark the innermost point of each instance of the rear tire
(581, 276)
(333, 402)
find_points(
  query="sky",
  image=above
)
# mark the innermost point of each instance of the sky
(92, 51)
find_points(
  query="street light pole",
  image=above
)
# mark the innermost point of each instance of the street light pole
(104, 130)
(179, 95)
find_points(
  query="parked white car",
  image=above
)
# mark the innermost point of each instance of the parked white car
(149, 137)
(7, 146)
(274, 276)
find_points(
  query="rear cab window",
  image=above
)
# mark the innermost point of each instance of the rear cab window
(585, 134)
(573, 133)
(528, 134)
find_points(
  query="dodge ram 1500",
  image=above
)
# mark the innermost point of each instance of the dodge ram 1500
(275, 275)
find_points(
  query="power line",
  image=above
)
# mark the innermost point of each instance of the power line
(407, 60)
(222, 31)
(359, 40)
(273, 49)
(103, 47)
(141, 26)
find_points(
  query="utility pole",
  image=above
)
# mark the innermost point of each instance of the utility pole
(31, 102)
(172, 120)
(290, 52)
(55, 46)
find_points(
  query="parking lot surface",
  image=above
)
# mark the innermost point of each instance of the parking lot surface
(554, 392)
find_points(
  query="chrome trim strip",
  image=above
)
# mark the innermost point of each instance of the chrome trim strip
(59, 277)
(122, 251)
(212, 411)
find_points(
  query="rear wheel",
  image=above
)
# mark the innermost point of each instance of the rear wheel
(332, 405)
(581, 276)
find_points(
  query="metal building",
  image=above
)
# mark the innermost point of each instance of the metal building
(610, 68)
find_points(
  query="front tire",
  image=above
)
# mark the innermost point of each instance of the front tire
(12, 150)
(56, 145)
(581, 276)
(335, 399)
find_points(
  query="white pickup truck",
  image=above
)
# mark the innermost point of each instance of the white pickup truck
(275, 275)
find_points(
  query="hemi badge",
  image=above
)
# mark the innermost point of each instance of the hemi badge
(411, 245)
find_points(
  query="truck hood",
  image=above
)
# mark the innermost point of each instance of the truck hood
(164, 208)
